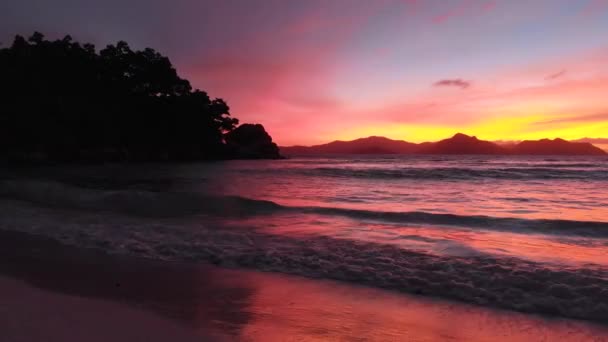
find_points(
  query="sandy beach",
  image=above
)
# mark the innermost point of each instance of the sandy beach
(57, 293)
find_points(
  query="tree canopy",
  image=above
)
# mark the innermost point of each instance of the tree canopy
(62, 100)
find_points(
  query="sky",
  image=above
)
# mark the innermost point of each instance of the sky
(320, 70)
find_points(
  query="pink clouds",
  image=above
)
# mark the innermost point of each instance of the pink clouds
(494, 99)
(298, 75)
(520, 92)
(324, 67)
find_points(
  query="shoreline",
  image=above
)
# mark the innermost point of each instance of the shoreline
(508, 283)
(71, 287)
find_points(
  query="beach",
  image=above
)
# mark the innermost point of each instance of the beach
(384, 248)
(526, 234)
(55, 292)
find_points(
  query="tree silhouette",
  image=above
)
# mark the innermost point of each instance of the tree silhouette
(65, 101)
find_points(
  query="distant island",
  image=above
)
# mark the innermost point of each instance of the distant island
(65, 101)
(458, 144)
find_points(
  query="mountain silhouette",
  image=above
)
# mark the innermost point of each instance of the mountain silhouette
(556, 146)
(461, 144)
(369, 145)
(458, 144)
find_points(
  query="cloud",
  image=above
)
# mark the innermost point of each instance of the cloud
(555, 75)
(584, 118)
(457, 82)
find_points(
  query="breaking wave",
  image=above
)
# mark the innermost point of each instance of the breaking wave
(175, 204)
(479, 278)
(453, 173)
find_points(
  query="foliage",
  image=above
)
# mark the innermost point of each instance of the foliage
(62, 100)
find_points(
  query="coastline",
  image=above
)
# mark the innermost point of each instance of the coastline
(67, 292)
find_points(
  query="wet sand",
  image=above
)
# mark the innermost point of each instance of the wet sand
(57, 293)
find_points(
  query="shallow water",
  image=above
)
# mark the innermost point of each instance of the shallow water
(216, 304)
(309, 311)
(523, 233)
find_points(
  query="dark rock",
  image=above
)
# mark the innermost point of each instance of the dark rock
(251, 141)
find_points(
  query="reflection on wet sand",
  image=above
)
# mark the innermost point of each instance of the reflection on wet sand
(253, 306)
(301, 309)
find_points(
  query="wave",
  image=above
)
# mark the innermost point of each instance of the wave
(530, 172)
(454, 173)
(517, 225)
(172, 204)
(477, 278)
(137, 202)
(567, 165)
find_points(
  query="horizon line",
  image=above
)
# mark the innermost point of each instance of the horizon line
(577, 140)
(498, 142)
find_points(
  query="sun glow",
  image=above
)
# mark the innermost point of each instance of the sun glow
(510, 128)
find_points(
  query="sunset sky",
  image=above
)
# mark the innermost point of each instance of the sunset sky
(319, 70)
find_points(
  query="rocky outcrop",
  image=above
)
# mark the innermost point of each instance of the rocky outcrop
(251, 141)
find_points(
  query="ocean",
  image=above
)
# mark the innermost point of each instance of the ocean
(521, 233)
